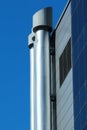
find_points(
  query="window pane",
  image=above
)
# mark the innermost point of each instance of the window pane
(65, 62)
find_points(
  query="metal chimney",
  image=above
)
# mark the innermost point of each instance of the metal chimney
(42, 26)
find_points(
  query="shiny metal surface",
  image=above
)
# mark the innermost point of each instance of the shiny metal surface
(32, 88)
(43, 19)
(42, 76)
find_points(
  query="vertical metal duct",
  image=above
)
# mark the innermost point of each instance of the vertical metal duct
(32, 88)
(42, 26)
(53, 93)
(53, 83)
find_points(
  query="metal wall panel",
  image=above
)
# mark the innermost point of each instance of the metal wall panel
(65, 118)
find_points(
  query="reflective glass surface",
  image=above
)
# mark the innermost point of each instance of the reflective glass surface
(79, 60)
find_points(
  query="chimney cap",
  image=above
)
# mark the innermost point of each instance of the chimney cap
(43, 19)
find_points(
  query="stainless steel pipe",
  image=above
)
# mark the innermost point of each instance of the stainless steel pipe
(42, 71)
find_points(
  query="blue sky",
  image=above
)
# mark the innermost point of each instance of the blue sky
(15, 25)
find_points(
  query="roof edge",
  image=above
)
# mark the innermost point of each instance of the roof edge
(67, 5)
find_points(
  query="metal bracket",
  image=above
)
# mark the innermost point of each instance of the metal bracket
(53, 98)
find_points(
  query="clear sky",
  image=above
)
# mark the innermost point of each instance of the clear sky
(15, 25)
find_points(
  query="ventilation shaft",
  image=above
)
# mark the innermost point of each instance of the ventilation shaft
(40, 70)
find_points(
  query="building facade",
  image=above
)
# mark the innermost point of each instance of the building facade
(64, 78)
(67, 93)
(79, 58)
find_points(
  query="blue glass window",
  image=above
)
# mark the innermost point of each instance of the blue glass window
(77, 124)
(82, 97)
(76, 80)
(83, 118)
(79, 49)
(76, 106)
(85, 11)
